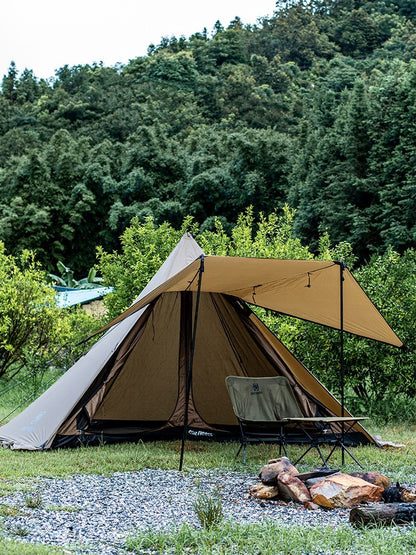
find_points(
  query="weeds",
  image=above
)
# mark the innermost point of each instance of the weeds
(208, 509)
(20, 530)
(33, 500)
(9, 510)
(63, 508)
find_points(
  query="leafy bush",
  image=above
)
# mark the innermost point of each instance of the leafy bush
(33, 331)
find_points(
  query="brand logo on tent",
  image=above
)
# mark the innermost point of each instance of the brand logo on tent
(255, 389)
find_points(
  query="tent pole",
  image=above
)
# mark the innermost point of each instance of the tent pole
(342, 268)
(190, 362)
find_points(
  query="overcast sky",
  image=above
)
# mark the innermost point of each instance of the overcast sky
(44, 35)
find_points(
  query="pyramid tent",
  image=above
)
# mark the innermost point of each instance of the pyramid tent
(193, 316)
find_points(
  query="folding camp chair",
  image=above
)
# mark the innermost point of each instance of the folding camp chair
(266, 410)
(261, 405)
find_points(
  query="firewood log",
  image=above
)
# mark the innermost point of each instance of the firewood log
(383, 514)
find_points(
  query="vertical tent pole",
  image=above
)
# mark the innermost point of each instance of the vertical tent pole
(190, 362)
(342, 267)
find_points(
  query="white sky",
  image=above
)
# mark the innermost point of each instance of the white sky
(44, 35)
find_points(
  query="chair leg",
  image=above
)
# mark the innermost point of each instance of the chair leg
(243, 447)
(283, 445)
(313, 446)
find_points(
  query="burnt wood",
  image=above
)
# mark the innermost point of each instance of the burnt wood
(383, 514)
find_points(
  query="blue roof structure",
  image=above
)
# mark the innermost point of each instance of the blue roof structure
(66, 297)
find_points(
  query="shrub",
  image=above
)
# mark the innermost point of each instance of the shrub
(33, 331)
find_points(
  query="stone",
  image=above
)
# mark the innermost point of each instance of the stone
(313, 481)
(310, 505)
(343, 490)
(269, 472)
(291, 488)
(260, 491)
(373, 478)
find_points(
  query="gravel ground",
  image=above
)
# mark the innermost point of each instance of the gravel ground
(94, 514)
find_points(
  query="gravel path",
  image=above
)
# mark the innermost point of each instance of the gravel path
(95, 514)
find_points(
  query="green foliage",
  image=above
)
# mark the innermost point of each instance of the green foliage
(270, 537)
(312, 106)
(29, 320)
(389, 280)
(67, 278)
(208, 509)
(33, 330)
(33, 500)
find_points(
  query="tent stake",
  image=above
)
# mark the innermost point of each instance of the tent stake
(190, 362)
(342, 267)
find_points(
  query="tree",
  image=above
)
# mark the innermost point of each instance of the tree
(9, 84)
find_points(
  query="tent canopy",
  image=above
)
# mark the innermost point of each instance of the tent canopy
(306, 289)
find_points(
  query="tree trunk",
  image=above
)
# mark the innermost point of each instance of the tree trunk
(383, 514)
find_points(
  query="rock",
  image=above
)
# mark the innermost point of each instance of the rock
(269, 472)
(291, 488)
(260, 491)
(373, 478)
(313, 481)
(310, 505)
(343, 490)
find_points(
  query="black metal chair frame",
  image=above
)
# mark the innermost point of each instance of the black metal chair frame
(314, 429)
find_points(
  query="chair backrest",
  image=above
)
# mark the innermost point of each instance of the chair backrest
(262, 399)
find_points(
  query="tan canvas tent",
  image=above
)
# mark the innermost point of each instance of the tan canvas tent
(161, 366)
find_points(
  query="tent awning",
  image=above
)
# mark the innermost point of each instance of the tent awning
(306, 289)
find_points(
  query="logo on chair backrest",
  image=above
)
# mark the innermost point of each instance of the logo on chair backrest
(255, 389)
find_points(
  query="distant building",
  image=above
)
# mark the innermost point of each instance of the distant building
(89, 299)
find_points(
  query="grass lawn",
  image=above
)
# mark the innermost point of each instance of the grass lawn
(398, 465)
(20, 469)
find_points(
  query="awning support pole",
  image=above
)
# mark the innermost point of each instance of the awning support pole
(342, 268)
(190, 362)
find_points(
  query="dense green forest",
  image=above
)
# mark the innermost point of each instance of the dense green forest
(314, 107)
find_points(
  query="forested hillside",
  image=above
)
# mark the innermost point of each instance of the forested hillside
(314, 107)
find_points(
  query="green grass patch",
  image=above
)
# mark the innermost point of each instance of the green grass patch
(11, 547)
(10, 510)
(106, 459)
(21, 469)
(274, 538)
(63, 508)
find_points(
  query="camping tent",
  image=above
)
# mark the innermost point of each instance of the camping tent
(161, 366)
